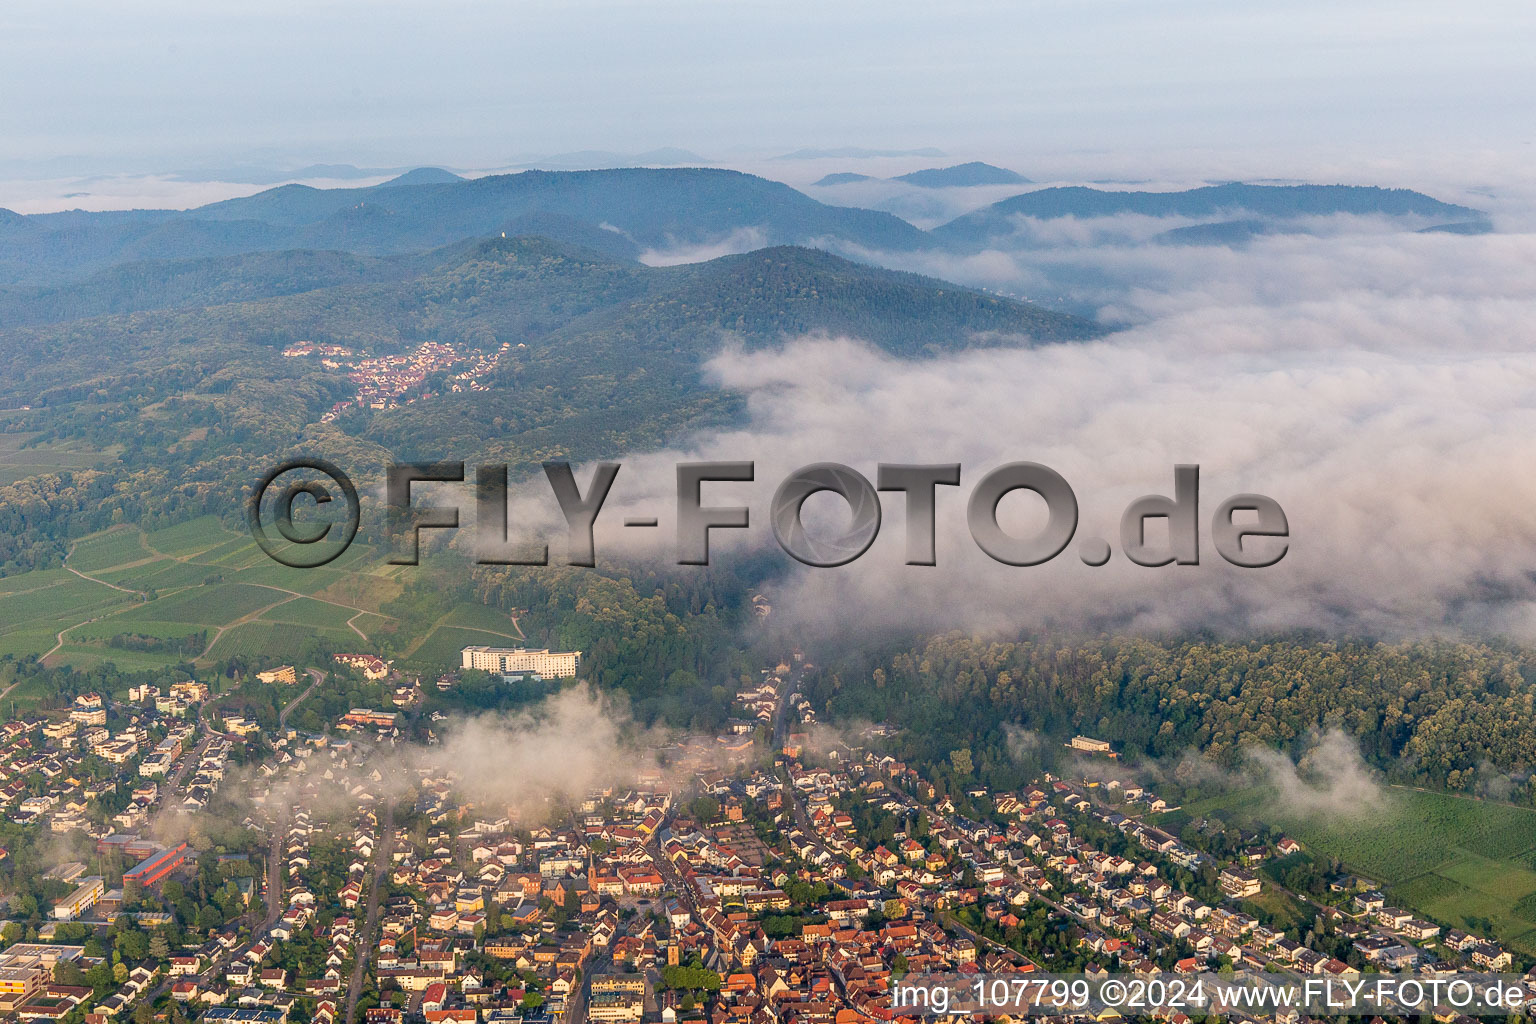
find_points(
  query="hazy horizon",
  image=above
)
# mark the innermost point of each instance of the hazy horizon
(389, 85)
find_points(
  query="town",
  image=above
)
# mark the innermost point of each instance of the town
(384, 382)
(778, 871)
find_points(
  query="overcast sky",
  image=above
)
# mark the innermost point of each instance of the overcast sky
(166, 84)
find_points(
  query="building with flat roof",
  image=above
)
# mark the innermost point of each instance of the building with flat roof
(245, 1015)
(157, 866)
(512, 660)
(613, 1007)
(367, 718)
(82, 899)
(28, 966)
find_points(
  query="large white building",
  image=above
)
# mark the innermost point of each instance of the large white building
(82, 899)
(512, 660)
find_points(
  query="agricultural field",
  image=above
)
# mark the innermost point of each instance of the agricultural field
(270, 639)
(306, 611)
(1459, 861)
(218, 605)
(479, 616)
(199, 577)
(106, 550)
(442, 647)
(190, 538)
(31, 618)
(18, 460)
(33, 580)
(24, 641)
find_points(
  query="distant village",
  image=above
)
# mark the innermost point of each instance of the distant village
(384, 382)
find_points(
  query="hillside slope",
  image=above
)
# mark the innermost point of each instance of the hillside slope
(641, 207)
(603, 355)
(1228, 202)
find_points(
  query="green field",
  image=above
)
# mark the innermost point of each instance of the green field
(1453, 859)
(277, 640)
(199, 577)
(158, 575)
(72, 596)
(479, 616)
(442, 648)
(23, 642)
(30, 618)
(34, 580)
(217, 605)
(113, 625)
(305, 611)
(190, 538)
(374, 625)
(19, 461)
(105, 550)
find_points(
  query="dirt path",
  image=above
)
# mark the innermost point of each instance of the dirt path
(58, 638)
(114, 586)
(292, 594)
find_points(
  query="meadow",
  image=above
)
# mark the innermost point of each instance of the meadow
(20, 458)
(1459, 861)
(199, 577)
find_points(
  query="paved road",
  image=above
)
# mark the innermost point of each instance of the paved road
(781, 714)
(576, 1005)
(318, 677)
(781, 727)
(365, 936)
(275, 865)
(173, 784)
(669, 874)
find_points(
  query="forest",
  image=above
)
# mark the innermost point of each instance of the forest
(1453, 715)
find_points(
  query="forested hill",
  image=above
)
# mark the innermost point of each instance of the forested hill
(1457, 716)
(205, 281)
(640, 207)
(594, 356)
(1277, 202)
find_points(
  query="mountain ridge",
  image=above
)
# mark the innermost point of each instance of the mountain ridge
(656, 208)
(1273, 201)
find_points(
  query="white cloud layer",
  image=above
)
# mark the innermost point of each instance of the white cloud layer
(1381, 388)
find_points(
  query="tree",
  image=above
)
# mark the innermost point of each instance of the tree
(159, 947)
(67, 972)
(99, 977)
(132, 944)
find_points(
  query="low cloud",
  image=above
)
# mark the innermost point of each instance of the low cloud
(569, 744)
(740, 240)
(1330, 779)
(1022, 743)
(1381, 387)
(526, 763)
